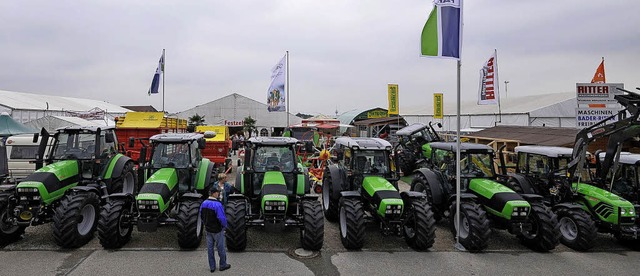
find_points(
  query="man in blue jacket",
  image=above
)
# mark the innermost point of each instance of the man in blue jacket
(215, 221)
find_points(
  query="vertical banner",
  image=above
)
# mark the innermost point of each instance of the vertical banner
(276, 95)
(437, 106)
(393, 99)
(155, 83)
(488, 91)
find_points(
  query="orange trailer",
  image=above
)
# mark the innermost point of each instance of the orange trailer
(218, 147)
(143, 125)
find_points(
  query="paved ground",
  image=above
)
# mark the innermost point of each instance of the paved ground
(272, 253)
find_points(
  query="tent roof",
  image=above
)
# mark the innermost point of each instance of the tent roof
(544, 136)
(30, 101)
(9, 127)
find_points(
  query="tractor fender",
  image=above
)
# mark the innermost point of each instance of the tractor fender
(570, 205)
(239, 179)
(349, 194)
(120, 160)
(532, 197)
(126, 197)
(236, 197)
(191, 196)
(338, 183)
(310, 197)
(437, 192)
(463, 197)
(526, 186)
(91, 188)
(409, 196)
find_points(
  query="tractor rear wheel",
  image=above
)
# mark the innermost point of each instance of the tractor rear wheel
(577, 228)
(9, 232)
(189, 224)
(406, 162)
(126, 182)
(75, 219)
(420, 184)
(329, 202)
(114, 225)
(474, 233)
(545, 232)
(420, 228)
(236, 232)
(351, 223)
(312, 231)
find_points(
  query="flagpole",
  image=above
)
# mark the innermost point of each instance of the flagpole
(497, 81)
(457, 218)
(288, 93)
(163, 61)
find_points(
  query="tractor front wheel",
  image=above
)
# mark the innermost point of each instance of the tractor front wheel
(75, 219)
(189, 224)
(329, 202)
(114, 225)
(9, 232)
(420, 227)
(577, 228)
(406, 162)
(236, 232)
(126, 182)
(420, 184)
(351, 223)
(312, 231)
(474, 230)
(545, 232)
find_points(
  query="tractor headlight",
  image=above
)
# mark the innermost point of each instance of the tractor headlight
(623, 211)
(393, 209)
(36, 197)
(267, 207)
(23, 198)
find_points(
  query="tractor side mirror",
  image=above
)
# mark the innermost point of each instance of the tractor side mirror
(202, 144)
(35, 137)
(132, 142)
(108, 137)
(209, 134)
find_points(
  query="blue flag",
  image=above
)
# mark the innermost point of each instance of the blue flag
(442, 34)
(155, 84)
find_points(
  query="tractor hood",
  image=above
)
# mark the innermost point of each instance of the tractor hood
(607, 205)
(499, 200)
(381, 193)
(51, 181)
(159, 187)
(426, 150)
(274, 191)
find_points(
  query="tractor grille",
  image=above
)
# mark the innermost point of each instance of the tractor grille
(274, 207)
(603, 209)
(627, 220)
(29, 196)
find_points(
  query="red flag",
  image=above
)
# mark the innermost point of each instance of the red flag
(599, 76)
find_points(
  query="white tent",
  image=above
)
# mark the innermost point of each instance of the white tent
(51, 123)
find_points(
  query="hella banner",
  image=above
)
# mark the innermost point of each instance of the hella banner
(488, 92)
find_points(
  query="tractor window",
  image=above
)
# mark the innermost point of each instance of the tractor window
(273, 159)
(170, 155)
(195, 153)
(75, 146)
(480, 164)
(538, 165)
(372, 162)
(624, 181)
(522, 163)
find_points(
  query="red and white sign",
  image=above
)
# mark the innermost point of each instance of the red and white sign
(597, 92)
(233, 123)
(488, 92)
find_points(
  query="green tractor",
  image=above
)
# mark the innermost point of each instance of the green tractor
(274, 193)
(485, 203)
(361, 187)
(583, 209)
(178, 179)
(82, 169)
(413, 145)
(623, 179)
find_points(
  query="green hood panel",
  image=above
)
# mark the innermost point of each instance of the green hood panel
(47, 197)
(605, 204)
(167, 176)
(273, 178)
(426, 150)
(65, 177)
(487, 187)
(112, 165)
(373, 184)
(62, 169)
(602, 195)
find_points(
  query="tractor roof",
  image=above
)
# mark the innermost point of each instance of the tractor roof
(273, 141)
(364, 143)
(87, 128)
(176, 137)
(549, 151)
(408, 130)
(451, 146)
(625, 158)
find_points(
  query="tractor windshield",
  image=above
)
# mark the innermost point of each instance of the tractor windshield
(372, 162)
(273, 158)
(175, 155)
(477, 164)
(75, 146)
(423, 136)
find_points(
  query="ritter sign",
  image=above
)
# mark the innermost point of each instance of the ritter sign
(596, 102)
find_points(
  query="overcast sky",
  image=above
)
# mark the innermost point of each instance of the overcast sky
(342, 52)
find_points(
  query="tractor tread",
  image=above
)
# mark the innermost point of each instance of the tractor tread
(312, 232)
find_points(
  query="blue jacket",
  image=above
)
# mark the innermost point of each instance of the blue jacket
(212, 213)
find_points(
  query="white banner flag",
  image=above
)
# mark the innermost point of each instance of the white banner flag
(276, 95)
(488, 92)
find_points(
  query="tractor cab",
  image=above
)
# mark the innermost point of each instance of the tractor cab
(624, 179)
(414, 144)
(476, 162)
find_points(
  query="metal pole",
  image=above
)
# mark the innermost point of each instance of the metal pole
(288, 92)
(162, 81)
(496, 83)
(457, 218)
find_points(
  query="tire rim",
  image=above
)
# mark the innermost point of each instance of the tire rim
(325, 197)
(88, 217)
(128, 183)
(343, 222)
(534, 227)
(199, 226)
(568, 229)
(123, 225)
(464, 231)
(6, 228)
(410, 228)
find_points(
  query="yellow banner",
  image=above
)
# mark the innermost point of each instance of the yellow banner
(437, 106)
(377, 114)
(393, 99)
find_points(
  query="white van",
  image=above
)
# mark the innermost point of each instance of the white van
(21, 155)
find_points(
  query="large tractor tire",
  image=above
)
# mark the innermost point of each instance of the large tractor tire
(75, 219)
(236, 232)
(578, 230)
(406, 162)
(420, 228)
(420, 184)
(351, 223)
(9, 232)
(312, 231)
(329, 201)
(114, 225)
(190, 230)
(545, 232)
(475, 230)
(126, 182)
